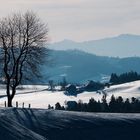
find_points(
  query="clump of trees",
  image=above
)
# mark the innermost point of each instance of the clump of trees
(73, 90)
(63, 84)
(124, 78)
(59, 107)
(93, 86)
(115, 105)
(51, 85)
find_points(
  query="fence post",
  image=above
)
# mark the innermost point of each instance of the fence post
(23, 105)
(16, 104)
(5, 103)
(29, 105)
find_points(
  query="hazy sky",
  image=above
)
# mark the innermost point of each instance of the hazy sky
(81, 20)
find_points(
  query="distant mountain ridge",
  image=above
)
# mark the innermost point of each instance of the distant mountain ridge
(125, 45)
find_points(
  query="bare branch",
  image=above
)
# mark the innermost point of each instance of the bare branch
(22, 39)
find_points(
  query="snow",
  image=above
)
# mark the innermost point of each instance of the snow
(39, 97)
(41, 124)
(127, 90)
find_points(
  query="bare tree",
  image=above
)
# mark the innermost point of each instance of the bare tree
(22, 38)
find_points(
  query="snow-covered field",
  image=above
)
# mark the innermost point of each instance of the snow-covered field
(41, 124)
(39, 97)
(126, 90)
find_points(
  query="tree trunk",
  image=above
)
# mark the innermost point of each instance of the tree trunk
(9, 99)
(10, 96)
(9, 102)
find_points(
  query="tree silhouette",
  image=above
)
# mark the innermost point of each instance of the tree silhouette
(22, 37)
(58, 106)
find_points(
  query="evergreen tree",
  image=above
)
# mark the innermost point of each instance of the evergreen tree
(63, 84)
(104, 105)
(58, 106)
(114, 79)
(127, 105)
(112, 104)
(119, 104)
(125, 77)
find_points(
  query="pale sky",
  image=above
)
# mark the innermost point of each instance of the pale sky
(81, 20)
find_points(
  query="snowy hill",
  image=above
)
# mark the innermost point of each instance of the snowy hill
(39, 97)
(126, 90)
(39, 124)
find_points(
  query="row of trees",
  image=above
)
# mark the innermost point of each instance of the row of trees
(124, 78)
(116, 105)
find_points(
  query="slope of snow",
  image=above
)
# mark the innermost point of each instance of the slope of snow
(41, 124)
(39, 97)
(127, 90)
